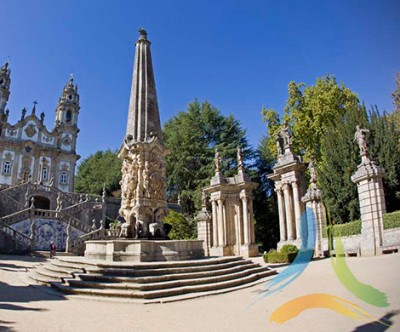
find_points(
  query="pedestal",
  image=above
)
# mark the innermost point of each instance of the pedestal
(372, 206)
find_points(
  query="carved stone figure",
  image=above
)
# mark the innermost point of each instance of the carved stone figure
(279, 144)
(313, 174)
(359, 136)
(217, 161)
(285, 134)
(240, 159)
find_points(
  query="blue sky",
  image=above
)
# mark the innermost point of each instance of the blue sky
(238, 55)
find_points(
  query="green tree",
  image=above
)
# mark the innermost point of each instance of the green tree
(339, 160)
(384, 147)
(182, 228)
(192, 137)
(265, 200)
(102, 168)
(309, 111)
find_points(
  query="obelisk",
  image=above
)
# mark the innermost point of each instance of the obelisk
(143, 184)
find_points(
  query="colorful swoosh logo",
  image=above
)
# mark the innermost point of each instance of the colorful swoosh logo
(295, 307)
(364, 292)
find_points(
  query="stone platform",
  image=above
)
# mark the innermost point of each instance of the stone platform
(143, 250)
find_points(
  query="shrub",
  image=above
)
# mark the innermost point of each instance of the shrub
(391, 220)
(182, 228)
(289, 248)
(347, 229)
(274, 256)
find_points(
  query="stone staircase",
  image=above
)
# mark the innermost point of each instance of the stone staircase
(150, 282)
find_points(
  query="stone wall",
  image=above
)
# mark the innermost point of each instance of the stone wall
(352, 244)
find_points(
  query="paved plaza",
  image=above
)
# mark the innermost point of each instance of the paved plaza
(30, 308)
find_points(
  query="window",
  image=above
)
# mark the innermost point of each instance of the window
(64, 178)
(44, 173)
(7, 167)
(68, 116)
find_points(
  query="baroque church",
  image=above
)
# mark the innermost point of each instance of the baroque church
(37, 166)
(31, 152)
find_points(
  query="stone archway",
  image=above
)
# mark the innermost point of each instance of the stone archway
(42, 202)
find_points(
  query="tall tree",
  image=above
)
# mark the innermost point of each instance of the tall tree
(192, 137)
(385, 149)
(265, 201)
(102, 168)
(309, 111)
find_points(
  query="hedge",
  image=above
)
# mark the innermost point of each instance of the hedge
(347, 229)
(274, 256)
(391, 220)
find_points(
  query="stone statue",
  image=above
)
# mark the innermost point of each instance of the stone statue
(124, 230)
(203, 199)
(217, 161)
(101, 224)
(51, 182)
(59, 202)
(285, 134)
(279, 144)
(359, 136)
(313, 174)
(240, 159)
(94, 225)
(32, 202)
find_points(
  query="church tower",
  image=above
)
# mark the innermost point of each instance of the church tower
(143, 184)
(67, 116)
(68, 106)
(5, 82)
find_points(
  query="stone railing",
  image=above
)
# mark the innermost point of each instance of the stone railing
(76, 208)
(43, 214)
(16, 217)
(22, 241)
(78, 246)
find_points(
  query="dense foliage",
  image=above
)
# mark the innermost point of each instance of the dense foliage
(322, 119)
(391, 220)
(347, 229)
(98, 170)
(182, 228)
(192, 137)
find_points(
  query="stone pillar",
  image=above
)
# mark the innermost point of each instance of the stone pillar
(220, 223)
(288, 211)
(68, 241)
(214, 223)
(281, 210)
(368, 178)
(297, 209)
(33, 233)
(203, 220)
(246, 228)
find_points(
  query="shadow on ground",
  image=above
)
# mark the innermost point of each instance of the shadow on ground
(377, 326)
(5, 326)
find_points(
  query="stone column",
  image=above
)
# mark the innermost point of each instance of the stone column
(220, 223)
(246, 228)
(297, 209)
(288, 211)
(281, 210)
(368, 178)
(203, 220)
(68, 241)
(214, 223)
(33, 233)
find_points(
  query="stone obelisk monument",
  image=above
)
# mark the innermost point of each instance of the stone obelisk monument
(143, 185)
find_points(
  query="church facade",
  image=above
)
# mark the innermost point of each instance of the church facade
(29, 151)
